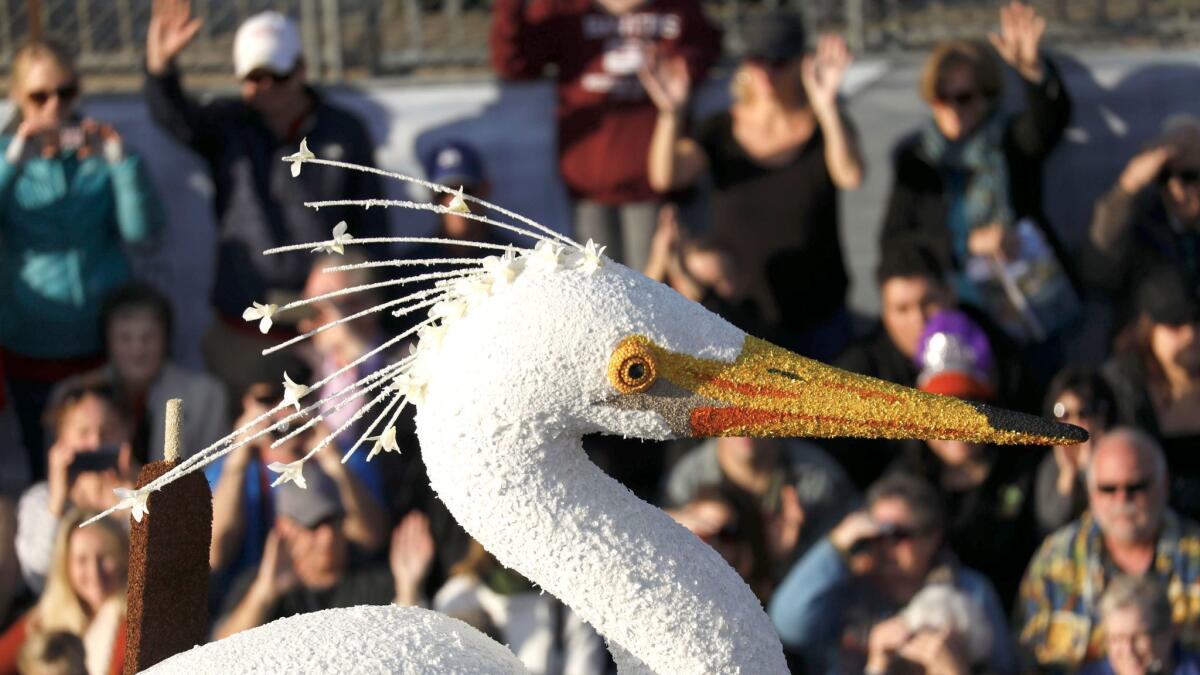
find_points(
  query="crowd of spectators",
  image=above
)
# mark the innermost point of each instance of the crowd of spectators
(932, 556)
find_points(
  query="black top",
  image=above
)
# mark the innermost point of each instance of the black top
(371, 586)
(782, 220)
(259, 205)
(918, 206)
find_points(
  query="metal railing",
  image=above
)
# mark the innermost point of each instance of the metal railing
(349, 39)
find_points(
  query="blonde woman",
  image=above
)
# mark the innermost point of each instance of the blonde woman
(84, 596)
(778, 158)
(70, 199)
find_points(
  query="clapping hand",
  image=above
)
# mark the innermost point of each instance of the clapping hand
(666, 81)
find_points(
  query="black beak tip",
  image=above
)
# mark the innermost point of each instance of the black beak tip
(1030, 425)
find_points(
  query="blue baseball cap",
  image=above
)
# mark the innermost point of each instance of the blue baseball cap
(454, 163)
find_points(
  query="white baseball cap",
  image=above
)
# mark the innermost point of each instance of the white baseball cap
(268, 40)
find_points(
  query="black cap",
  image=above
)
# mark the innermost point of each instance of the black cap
(775, 36)
(1165, 298)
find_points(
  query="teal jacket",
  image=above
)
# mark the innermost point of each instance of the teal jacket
(63, 224)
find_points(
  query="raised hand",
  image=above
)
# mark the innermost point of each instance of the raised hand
(666, 81)
(822, 73)
(410, 556)
(172, 28)
(276, 575)
(1145, 167)
(1020, 34)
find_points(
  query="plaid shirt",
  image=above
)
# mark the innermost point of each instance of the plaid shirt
(1058, 607)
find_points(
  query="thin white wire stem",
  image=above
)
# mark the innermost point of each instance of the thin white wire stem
(230, 442)
(358, 315)
(393, 240)
(427, 206)
(445, 190)
(452, 274)
(371, 427)
(370, 382)
(402, 262)
(358, 414)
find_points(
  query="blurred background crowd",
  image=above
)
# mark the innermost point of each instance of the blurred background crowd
(870, 556)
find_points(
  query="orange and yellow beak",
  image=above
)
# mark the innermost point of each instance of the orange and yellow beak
(769, 391)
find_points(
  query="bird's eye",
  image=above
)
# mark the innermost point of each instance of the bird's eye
(632, 368)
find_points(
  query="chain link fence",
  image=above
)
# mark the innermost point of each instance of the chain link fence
(354, 39)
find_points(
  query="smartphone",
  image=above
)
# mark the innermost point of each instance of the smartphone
(103, 459)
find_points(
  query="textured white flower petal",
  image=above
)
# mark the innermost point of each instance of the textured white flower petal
(448, 310)
(430, 337)
(293, 392)
(545, 257)
(385, 442)
(591, 258)
(261, 312)
(292, 471)
(458, 204)
(300, 157)
(134, 500)
(411, 386)
(501, 270)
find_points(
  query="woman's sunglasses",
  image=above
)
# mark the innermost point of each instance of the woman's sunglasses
(263, 75)
(67, 92)
(959, 99)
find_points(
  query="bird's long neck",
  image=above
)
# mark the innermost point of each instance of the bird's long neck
(647, 584)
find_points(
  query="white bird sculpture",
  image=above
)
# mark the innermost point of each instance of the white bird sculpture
(522, 355)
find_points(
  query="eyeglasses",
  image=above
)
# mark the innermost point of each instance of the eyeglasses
(41, 97)
(959, 99)
(262, 75)
(891, 533)
(1129, 489)
(1062, 412)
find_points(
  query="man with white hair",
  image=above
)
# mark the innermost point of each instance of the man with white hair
(1127, 530)
(242, 140)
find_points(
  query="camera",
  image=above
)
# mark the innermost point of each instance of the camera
(105, 458)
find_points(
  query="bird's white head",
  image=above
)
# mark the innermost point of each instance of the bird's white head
(564, 340)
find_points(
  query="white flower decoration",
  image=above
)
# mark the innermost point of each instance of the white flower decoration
(473, 290)
(300, 157)
(430, 337)
(133, 499)
(292, 471)
(591, 257)
(448, 310)
(338, 243)
(502, 270)
(411, 386)
(262, 313)
(458, 204)
(385, 442)
(293, 392)
(546, 256)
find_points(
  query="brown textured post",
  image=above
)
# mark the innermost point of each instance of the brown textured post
(168, 561)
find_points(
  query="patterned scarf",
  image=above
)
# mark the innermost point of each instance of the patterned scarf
(978, 176)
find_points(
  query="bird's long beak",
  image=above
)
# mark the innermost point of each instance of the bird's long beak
(769, 391)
